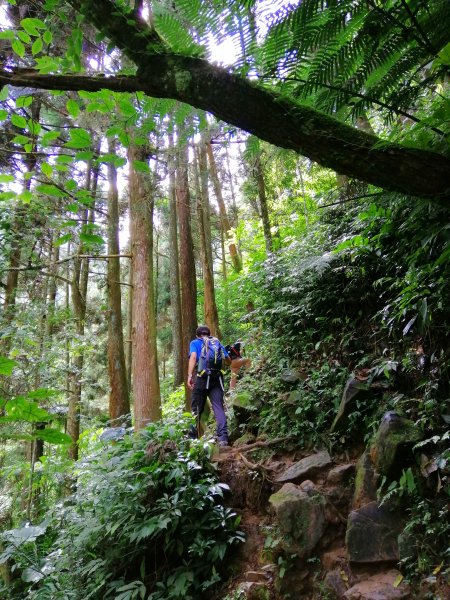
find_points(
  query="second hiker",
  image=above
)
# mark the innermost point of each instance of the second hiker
(207, 358)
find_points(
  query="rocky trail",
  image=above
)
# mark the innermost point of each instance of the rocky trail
(314, 526)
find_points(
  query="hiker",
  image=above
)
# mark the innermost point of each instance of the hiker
(238, 361)
(205, 378)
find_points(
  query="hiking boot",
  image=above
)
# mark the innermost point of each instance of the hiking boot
(224, 444)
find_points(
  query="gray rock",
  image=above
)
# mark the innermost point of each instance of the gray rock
(372, 533)
(335, 584)
(382, 586)
(353, 389)
(365, 482)
(301, 517)
(290, 376)
(340, 474)
(393, 443)
(305, 467)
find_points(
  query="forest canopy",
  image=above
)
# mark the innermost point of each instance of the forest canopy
(270, 110)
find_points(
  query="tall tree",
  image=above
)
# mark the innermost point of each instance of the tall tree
(211, 315)
(145, 374)
(175, 294)
(187, 259)
(119, 404)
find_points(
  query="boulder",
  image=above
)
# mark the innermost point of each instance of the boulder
(242, 406)
(290, 376)
(300, 513)
(391, 448)
(372, 533)
(382, 586)
(340, 474)
(365, 482)
(335, 584)
(354, 389)
(254, 591)
(305, 467)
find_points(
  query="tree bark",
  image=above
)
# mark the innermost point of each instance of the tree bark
(79, 286)
(119, 403)
(145, 376)
(262, 197)
(211, 315)
(175, 296)
(187, 261)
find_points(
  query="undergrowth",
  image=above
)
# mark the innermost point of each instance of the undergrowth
(146, 520)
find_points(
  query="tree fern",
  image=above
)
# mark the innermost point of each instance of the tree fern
(342, 47)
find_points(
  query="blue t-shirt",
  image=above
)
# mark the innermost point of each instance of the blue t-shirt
(196, 346)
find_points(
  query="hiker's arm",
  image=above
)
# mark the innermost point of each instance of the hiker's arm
(191, 367)
(226, 357)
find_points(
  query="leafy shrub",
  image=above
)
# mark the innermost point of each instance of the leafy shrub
(145, 521)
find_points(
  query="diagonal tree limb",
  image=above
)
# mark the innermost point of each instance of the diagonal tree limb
(270, 116)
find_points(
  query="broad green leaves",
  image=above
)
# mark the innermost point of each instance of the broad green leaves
(7, 365)
(79, 138)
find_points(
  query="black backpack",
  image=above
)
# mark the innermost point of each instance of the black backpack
(234, 351)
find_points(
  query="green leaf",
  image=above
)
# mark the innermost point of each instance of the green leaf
(20, 139)
(141, 166)
(32, 25)
(49, 136)
(37, 46)
(34, 127)
(126, 107)
(21, 409)
(85, 155)
(24, 37)
(52, 436)
(64, 159)
(7, 178)
(7, 34)
(19, 121)
(7, 195)
(47, 169)
(4, 93)
(47, 37)
(26, 196)
(6, 365)
(79, 138)
(90, 238)
(50, 190)
(71, 185)
(3, 114)
(24, 101)
(63, 239)
(45, 64)
(72, 108)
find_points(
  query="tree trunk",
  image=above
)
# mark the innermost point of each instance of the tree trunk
(211, 316)
(259, 172)
(79, 285)
(187, 262)
(145, 377)
(234, 254)
(119, 403)
(175, 297)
